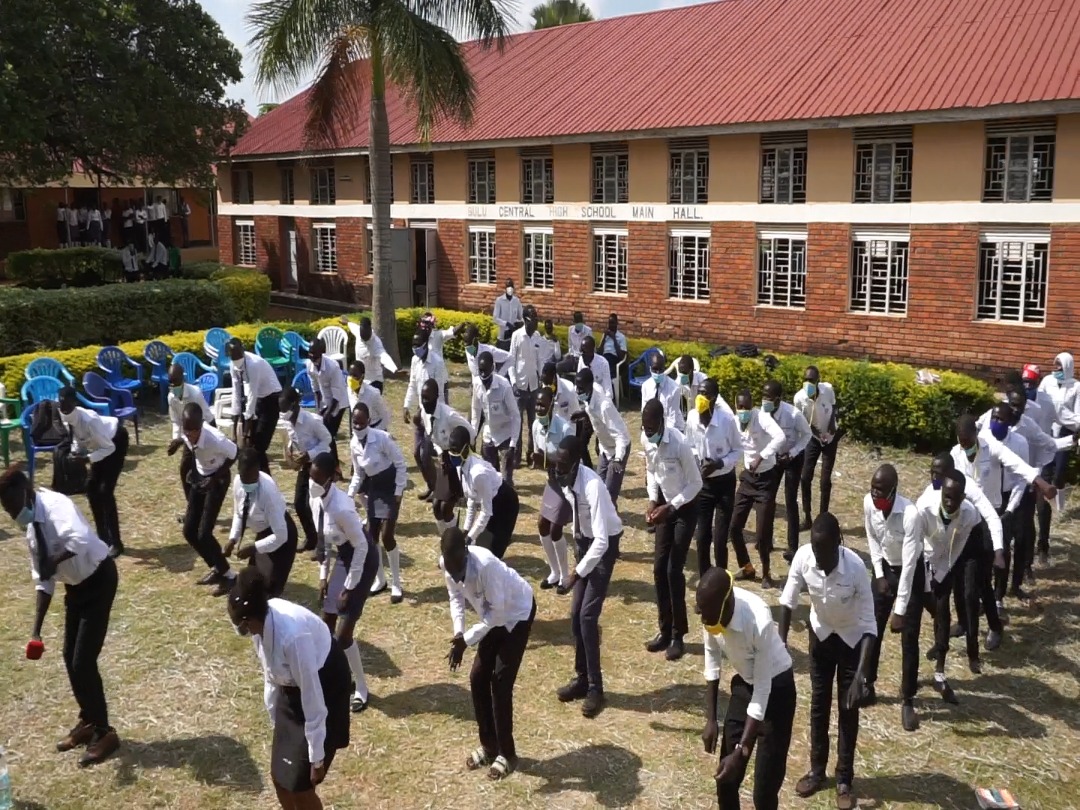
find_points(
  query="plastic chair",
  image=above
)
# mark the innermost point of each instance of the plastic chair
(214, 342)
(302, 383)
(113, 361)
(25, 421)
(337, 341)
(644, 362)
(8, 422)
(48, 367)
(208, 384)
(673, 368)
(268, 347)
(120, 402)
(40, 389)
(295, 347)
(157, 354)
(193, 367)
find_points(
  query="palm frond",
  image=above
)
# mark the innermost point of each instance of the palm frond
(485, 20)
(335, 102)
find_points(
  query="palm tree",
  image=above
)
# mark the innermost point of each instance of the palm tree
(363, 47)
(560, 12)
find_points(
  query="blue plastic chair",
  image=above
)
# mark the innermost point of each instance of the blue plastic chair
(214, 342)
(157, 354)
(193, 367)
(295, 348)
(302, 383)
(643, 362)
(27, 419)
(114, 362)
(48, 367)
(208, 384)
(40, 389)
(120, 402)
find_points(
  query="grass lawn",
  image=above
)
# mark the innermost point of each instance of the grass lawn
(186, 693)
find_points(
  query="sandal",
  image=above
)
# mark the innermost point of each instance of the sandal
(501, 768)
(477, 759)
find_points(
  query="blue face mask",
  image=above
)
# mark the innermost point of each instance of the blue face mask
(543, 420)
(744, 418)
(657, 378)
(656, 437)
(999, 430)
(1059, 376)
(583, 399)
(1031, 393)
(25, 517)
(177, 391)
(420, 352)
(935, 483)
(684, 379)
(767, 406)
(456, 461)
(810, 389)
(250, 489)
(972, 451)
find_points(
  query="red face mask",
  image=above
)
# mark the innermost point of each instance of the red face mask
(883, 504)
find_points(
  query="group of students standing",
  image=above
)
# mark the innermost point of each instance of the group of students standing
(141, 223)
(951, 547)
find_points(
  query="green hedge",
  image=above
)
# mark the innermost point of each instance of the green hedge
(69, 267)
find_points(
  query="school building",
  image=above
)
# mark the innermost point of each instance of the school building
(894, 180)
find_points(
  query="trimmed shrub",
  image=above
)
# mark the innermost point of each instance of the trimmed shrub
(69, 267)
(199, 270)
(247, 293)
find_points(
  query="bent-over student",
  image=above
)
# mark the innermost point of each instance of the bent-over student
(329, 387)
(255, 392)
(496, 417)
(370, 351)
(360, 390)
(259, 505)
(306, 437)
(181, 393)
(504, 603)
(612, 435)
(492, 505)
(64, 548)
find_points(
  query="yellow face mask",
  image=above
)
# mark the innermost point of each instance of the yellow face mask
(354, 384)
(719, 629)
(702, 404)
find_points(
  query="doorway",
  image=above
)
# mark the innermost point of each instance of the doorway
(290, 240)
(425, 264)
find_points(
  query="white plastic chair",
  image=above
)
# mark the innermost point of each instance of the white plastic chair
(337, 341)
(617, 382)
(674, 367)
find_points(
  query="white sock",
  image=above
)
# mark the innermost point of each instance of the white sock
(357, 667)
(564, 563)
(395, 567)
(939, 677)
(380, 575)
(443, 525)
(1059, 500)
(553, 561)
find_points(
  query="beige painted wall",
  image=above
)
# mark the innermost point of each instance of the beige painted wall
(224, 183)
(351, 179)
(507, 175)
(1067, 172)
(733, 168)
(573, 173)
(302, 183)
(267, 182)
(649, 171)
(451, 177)
(830, 166)
(402, 179)
(948, 162)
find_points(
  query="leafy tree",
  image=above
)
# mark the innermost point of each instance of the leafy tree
(361, 48)
(560, 12)
(124, 88)
(269, 106)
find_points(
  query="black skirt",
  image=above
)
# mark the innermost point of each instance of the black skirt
(447, 482)
(290, 767)
(358, 597)
(380, 492)
(277, 565)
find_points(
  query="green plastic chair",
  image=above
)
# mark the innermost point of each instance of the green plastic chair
(268, 347)
(9, 421)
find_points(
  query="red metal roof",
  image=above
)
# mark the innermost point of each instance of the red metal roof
(743, 62)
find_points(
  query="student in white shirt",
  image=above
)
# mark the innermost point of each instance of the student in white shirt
(435, 339)
(673, 481)
(306, 438)
(613, 348)
(495, 409)
(577, 332)
(761, 440)
(492, 504)
(843, 635)
(102, 443)
(130, 261)
(505, 607)
(421, 371)
(328, 385)
(306, 687)
(564, 394)
(507, 314)
(437, 421)
(550, 348)
(127, 224)
(74, 234)
(524, 366)
(596, 364)
(345, 585)
(790, 458)
(62, 237)
(379, 475)
(1063, 393)
(548, 431)
(474, 348)
(816, 401)
(662, 387)
(690, 383)
(156, 265)
(1041, 409)
(739, 626)
(185, 215)
(64, 548)
(597, 533)
(255, 394)
(180, 394)
(894, 535)
(93, 226)
(613, 437)
(360, 390)
(370, 351)
(259, 505)
(713, 433)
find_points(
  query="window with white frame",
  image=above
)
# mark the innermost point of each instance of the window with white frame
(879, 273)
(688, 261)
(422, 191)
(537, 180)
(783, 168)
(539, 257)
(482, 255)
(781, 280)
(245, 243)
(323, 186)
(1013, 275)
(688, 171)
(243, 187)
(610, 174)
(288, 187)
(609, 261)
(883, 157)
(1019, 163)
(324, 238)
(481, 179)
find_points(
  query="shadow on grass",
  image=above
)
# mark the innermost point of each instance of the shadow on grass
(176, 558)
(609, 772)
(451, 699)
(377, 662)
(213, 760)
(551, 633)
(927, 788)
(21, 805)
(677, 697)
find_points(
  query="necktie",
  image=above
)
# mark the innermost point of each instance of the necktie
(577, 516)
(243, 396)
(46, 569)
(244, 513)
(320, 544)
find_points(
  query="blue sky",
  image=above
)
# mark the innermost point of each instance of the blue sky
(230, 15)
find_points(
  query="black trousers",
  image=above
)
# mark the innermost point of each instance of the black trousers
(1019, 546)
(937, 602)
(973, 587)
(792, 478)
(827, 453)
(333, 425)
(187, 466)
(101, 489)
(277, 565)
(499, 532)
(590, 591)
(87, 607)
(502, 458)
(302, 507)
(203, 507)
(756, 491)
(267, 413)
(424, 456)
(832, 660)
(909, 637)
(491, 681)
(716, 502)
(672, 544)
(771, 751)
(526, 402)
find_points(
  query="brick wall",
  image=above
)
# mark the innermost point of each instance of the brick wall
(268, 246)
(226, 249)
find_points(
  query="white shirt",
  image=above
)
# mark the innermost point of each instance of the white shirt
(819, 410)
(375, 454)
(1042, 447)
(420, 371)
(72, 217)
(719, 443)
(670, 395)
(601, 372)
(595, 516)
(498, 594)
(565, 399)
(161, 255)
(341, 525)
(574, 338)
(546, 439)
(753, 647)
(211, 451)
(499, 358)
(176, 407)
(611, 432)
(129, 217)
(141, 215)
(61, 214)
(1064, 395)
(480, 483)
(896, 540)
(266, 510)
(309, 434)
(372, 354)
(506, 312)
(498, 405)
(130, 259)
(378, 410)
(64, 529)
(761, 439)
(292, 649)
(974, 495)
(328, 382)
(671, 470)
(796, 429)
(94, 215)
(260, 379)
(1041, 409)
(525, 363)
(985, 467)
(439, 425)
(840, 602)
(1011, 482)
(550, 350)
(608, 346)
(91, 433)
(942, 545)
(436, 340)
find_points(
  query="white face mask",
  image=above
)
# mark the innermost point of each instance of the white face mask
(67, 418)
(316, 490)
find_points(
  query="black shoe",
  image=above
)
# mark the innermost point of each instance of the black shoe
(562, 590)
(116, 550)
(675, 649)
(909, 718)
(650, 530)
(946, 692)
(309, 546)
(212, 578)
(424, 496)
(1029, 576)
(658, 643)
(593, 703)
(575, 690)
(357, 704)
(809, 785)
(546, 584)
(1021, 594)
(975, 665)
(870, 698)
(932, 652)
(957, 630)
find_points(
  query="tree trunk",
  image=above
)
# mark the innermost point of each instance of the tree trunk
(379, 161)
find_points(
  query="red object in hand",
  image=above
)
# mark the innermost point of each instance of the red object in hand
(35, 648)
